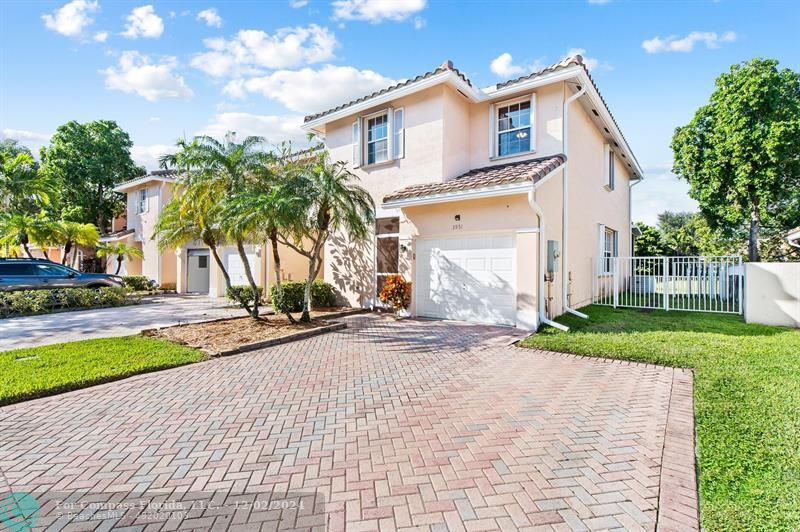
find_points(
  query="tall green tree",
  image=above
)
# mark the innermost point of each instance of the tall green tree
(71, 235)
(649, 243)
(88, 160)
(740, 151)
(22, 230)
(333, 202)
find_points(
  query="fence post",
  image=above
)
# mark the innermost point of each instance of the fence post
(615, 262)
(740, 295)
(664, 290)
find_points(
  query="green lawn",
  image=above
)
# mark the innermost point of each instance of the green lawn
(747, 402)
(39, 371)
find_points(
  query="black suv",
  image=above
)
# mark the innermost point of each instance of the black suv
(38, 274)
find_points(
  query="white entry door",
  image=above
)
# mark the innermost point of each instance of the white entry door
(197, 271)
(471, 278)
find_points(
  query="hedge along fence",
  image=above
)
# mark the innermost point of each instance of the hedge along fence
(29, 302)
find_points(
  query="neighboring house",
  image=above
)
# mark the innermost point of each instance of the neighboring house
(190, 269)
(470, 187)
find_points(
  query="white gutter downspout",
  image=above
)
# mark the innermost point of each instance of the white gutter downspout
(541, 261)
(565, 208)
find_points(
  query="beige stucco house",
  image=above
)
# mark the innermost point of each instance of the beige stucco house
(189, 269)
(492, 202)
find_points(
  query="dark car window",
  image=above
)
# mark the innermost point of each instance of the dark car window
(51, 270)
(16, 269)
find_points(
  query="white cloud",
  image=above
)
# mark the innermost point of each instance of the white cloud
(376, 11)
(593, 64)
(674, 43)
(148, 156)
(143, 22)
(310, 90)
(100, 36)
(660, 191)
(503, 66)
(71, 18)
(297, 4)
(211, 17)
(136, 73)
(419, 23)
(274, 128)
(24, 135)
(599, 2)
(249, 50)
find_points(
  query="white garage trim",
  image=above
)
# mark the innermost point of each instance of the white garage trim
(475, 276)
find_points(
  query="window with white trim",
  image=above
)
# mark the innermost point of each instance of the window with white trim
(513, 127)
(610, 249)
(379, 137)
(141, 206)
(610, 161)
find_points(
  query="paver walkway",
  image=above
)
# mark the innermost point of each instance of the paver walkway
(385, 425)
(158, 311)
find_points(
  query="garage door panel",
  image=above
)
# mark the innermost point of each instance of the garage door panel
(469, 279)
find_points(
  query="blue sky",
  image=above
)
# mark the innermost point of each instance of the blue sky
(165, 69)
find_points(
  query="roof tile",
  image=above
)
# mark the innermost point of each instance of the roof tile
(489, 176)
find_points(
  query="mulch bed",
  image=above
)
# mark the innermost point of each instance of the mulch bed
(224, 336)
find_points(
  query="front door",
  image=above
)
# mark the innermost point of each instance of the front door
(197, 271)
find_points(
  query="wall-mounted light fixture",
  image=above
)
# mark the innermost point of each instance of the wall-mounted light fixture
(458, 217)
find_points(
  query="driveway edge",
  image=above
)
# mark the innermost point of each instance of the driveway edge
(678, 502)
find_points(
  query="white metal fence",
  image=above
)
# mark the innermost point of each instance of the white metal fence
(703, 284)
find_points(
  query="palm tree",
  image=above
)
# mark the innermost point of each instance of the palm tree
(181, 221)
(73, 234)
(120, 250)
(22, 229)
(332, 202)
(211, 173)
(22, 187)
(268, 205)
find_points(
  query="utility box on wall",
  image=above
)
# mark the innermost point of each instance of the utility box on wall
(553, 254)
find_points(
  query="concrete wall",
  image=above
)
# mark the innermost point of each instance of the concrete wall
(772, 293)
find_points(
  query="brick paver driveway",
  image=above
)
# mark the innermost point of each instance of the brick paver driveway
(384, 425)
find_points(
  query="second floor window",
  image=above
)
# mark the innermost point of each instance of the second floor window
(141, 205)
(514, 128)
(378, 139)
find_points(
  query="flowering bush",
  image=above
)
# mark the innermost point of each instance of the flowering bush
(396, 292)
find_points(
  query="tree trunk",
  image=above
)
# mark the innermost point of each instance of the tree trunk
(101, 225)
(246, 264)
(276, 258)
(220, 265)
(27, 250)
(120, 258)
(44, 252)
(67, 249)
(313, 269)
(755, 222)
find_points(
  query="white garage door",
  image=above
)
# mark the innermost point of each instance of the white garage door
(469, 278)
(236, 268)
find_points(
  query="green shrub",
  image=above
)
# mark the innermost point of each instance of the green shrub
(26, 302)
(139, 283)
(322, 295)
(243, 295)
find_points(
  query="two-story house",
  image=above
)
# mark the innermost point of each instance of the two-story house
(189, 269)
(492, 202)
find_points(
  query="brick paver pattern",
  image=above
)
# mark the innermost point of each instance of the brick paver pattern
(385, 425)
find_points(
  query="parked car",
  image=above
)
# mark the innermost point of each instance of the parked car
(42, 274)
